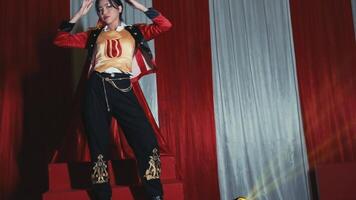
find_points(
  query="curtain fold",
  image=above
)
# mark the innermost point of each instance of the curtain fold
(11, 118)
(261, 148)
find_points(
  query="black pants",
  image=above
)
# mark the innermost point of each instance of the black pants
(110, 95)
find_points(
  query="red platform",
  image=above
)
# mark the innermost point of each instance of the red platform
(69, 181)
(336, 181)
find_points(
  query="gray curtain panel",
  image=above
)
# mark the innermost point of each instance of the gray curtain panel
(353, 4)
(131, 16)
(261, 149)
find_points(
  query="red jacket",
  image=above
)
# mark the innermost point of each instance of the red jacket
(143, 63)
(73, 147)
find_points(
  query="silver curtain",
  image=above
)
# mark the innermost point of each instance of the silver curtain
(131, 16)
(261, 149)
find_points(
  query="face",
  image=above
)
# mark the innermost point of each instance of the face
(108, 13)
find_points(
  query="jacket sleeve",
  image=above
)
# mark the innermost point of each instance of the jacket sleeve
(160, 24)
(64, 38)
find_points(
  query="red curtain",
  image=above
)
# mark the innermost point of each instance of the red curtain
(325, 52)
(326, 57)
(185, 95)
(10, 129)
(34, 85)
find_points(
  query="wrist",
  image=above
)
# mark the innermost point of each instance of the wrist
(76, 17)
(66, 26)
(152, 13)
(143, 9)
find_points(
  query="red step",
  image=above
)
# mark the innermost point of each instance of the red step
(72, 180)
(122, 192)
(336, 181)
(173, 190)
(64, 176)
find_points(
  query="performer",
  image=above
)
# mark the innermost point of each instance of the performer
(118, 54)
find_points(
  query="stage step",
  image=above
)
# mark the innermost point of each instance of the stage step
(173, 190)
(72, 180)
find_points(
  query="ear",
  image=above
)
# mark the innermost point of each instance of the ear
(120, 9)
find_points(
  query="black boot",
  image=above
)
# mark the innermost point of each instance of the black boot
(101, 192)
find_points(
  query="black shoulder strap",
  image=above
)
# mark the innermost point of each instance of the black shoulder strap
(135, 32)
(140, 40)
(94, 34)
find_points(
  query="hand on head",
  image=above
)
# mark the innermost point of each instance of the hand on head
(136, 5)
(85, 7)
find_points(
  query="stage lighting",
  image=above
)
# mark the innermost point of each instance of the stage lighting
(240, 198)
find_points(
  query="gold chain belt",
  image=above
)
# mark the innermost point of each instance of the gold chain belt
(111, 81)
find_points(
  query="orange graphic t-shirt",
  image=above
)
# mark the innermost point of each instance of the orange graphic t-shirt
(114, 49)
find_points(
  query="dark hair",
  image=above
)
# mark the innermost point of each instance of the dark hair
(114, 3)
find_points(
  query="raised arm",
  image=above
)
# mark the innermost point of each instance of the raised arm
(160, 23)
(79, 40)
